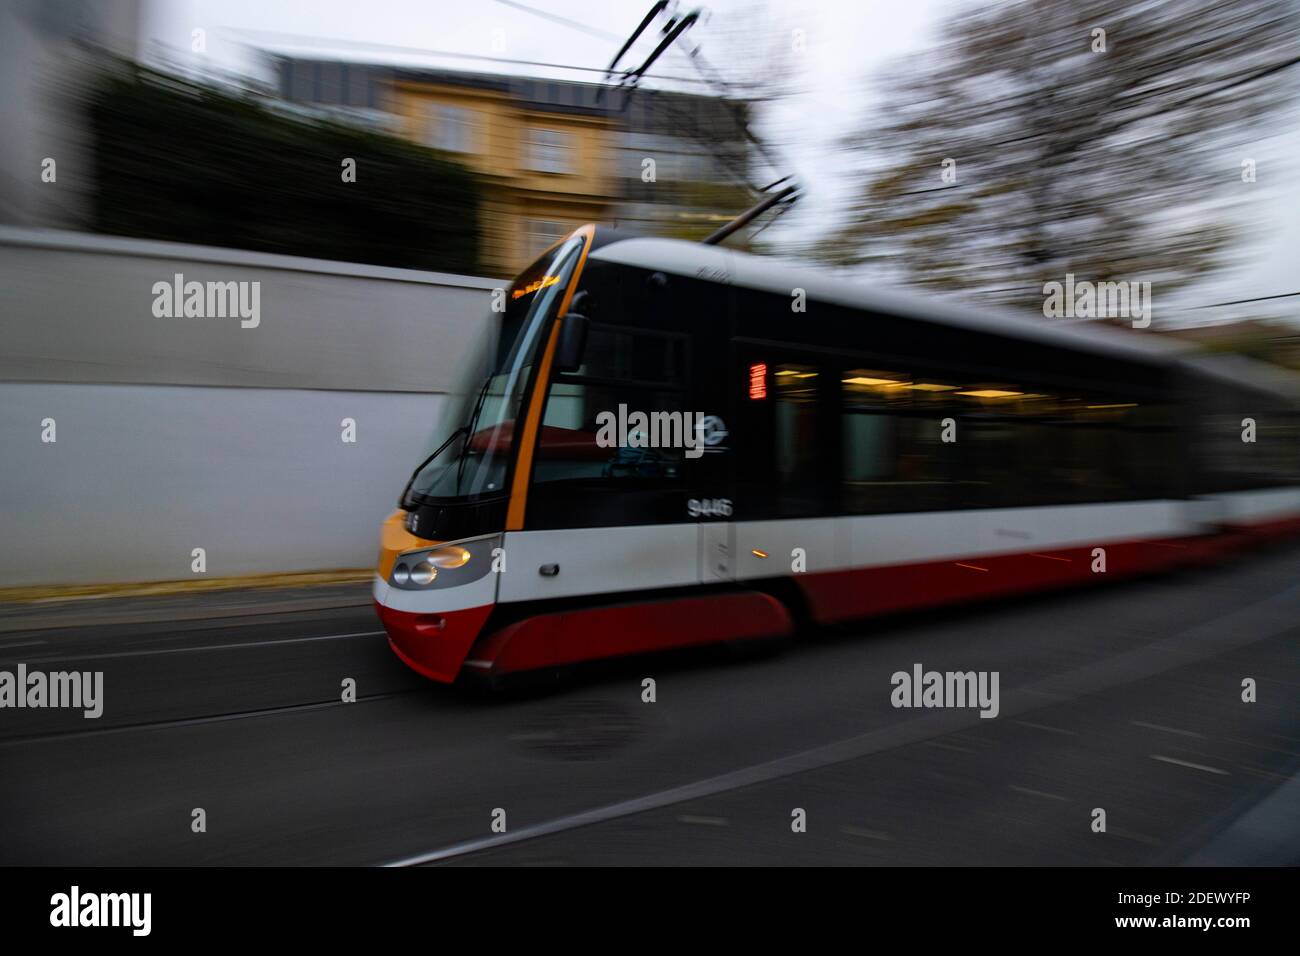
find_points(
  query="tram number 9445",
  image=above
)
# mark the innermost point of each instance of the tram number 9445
(709, 507)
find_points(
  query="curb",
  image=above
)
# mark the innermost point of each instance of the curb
(82, 592)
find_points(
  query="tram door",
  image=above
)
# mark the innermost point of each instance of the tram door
(717, 552)
(713, 506)
(787, 453)
(787, 444)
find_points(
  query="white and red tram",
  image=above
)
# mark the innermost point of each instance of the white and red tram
(855, 452)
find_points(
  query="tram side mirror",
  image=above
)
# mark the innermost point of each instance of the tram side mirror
(573, 342)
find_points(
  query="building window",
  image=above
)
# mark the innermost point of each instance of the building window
(549, 151)
(541, 234)
(331, 86)
(450, 128)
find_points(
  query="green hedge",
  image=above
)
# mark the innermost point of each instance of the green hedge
(188, 163)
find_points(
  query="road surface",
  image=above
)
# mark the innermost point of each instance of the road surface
(1125, 698)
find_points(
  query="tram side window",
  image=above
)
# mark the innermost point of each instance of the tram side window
(795, 489)
(1268, 459)
(1009, 445)
(1284, 447)
(599, 433)
(612, 443)
(638, 356)
(894, 457)
(1045, 447)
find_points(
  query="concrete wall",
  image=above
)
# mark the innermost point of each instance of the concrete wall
(182, 433)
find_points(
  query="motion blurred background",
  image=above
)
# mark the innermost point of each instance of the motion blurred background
(488, 130)
(1150, 142)
(1147, 141)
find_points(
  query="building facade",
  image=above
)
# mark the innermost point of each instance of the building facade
(552, 154)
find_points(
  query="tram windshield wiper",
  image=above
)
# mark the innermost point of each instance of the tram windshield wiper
(466, 429)
(470, 425)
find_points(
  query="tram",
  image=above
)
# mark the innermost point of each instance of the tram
(838, 451)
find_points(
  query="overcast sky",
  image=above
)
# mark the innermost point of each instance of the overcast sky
(847, 42)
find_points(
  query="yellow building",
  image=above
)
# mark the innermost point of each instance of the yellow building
(552, 153)
(543, 172)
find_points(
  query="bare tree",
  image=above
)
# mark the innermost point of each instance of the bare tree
(1098, 137)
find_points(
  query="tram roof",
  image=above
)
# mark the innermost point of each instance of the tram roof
(1245, 372)
(696, 260)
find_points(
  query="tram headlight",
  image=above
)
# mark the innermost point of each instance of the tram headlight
(444, 566)
(449, 557)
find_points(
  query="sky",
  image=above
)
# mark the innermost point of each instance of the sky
(847, 42)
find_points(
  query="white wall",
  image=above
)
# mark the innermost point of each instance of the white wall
(174, 434)
(79, 308)
(258, 478)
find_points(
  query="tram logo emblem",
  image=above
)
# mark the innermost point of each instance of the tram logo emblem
(712, 431)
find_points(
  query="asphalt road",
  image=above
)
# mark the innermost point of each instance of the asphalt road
(1125, 697)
